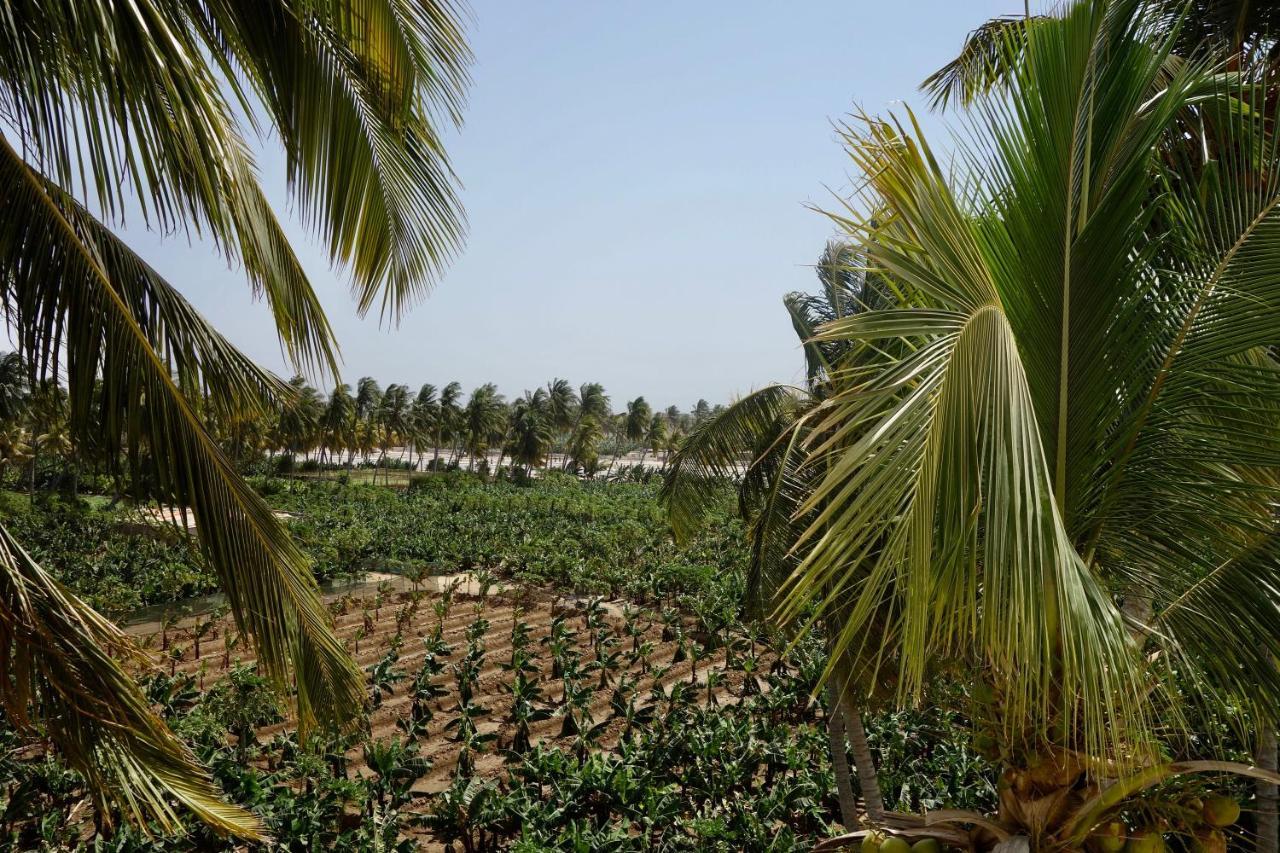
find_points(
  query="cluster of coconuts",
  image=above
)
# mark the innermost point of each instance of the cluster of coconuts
(876, 842)
(1212, 815)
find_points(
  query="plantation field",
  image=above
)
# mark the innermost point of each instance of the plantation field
(593, 686)
(572, 724)
(477, 682)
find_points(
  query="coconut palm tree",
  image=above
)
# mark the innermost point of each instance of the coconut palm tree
(1240, 31)
(1054, 463)
(298, 426)
(450, 425)
(655, 435)
(757, 443)
(424, 419)
(393, 416)
(368, 397)
(338, 421)
(152, 97)
(562, 406)
(533, 420)
(584, 445)
(485, 421)
(593, 404)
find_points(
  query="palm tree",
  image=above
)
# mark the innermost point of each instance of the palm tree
(1241, 31)
(593, 404)
(298, 427)
(368, 397)
(486, 421)
(635, 425)
(450, 425)
(424, 419)
(98, 98)
(533, 419)
(338, 421)
(584, 445)
(1054, 462)
(655, 435)
(393, 418)
(757, 443)
(562, 407)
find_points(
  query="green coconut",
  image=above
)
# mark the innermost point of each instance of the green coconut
(871, 842)
(926, 845)
(1145, 841)
(1221, 811)
(894, 844)
(1110, 837)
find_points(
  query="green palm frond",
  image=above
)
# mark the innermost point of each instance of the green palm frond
(163, 128)
(55, 650)
(723, 449)
(129, 345)
(353, 86)
(989, 54)
(1070, 406)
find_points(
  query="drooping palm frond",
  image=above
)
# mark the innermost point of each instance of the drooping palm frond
(56, 650)
(723, 449)
(129, 345)
(99, 100)
(989, 54)
(353, 86)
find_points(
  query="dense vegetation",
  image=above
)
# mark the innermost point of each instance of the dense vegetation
(609, 539)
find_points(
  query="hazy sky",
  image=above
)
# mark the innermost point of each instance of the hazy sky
(637, 179)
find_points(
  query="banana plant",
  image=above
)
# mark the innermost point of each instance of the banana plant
(527, 707)
(467, 735)
(383, 676)
(459, 814)
(396, 765)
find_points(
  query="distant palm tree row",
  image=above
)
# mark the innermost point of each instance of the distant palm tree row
(437, 427)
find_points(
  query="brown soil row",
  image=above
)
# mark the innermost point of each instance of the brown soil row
(369, 629)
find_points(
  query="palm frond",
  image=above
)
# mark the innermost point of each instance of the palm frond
(722, 449)
(352, 86)
(56, 655)
(163, 128)
(71, 293)
(988, 57)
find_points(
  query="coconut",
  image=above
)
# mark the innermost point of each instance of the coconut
(871, 842)
(1145, 841)
(894, 844)
(1221, 811)
(926, 845)
(1210, 841)
(1110, 837)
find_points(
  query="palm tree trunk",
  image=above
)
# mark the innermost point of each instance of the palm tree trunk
(868, 781)
(840, 762)
(1268, 840)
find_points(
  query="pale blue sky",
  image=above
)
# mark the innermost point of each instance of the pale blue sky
(636, 177)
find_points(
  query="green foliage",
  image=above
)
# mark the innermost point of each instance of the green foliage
(103, 556)
(589, 537)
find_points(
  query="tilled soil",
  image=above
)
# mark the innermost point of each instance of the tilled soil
(369, 626)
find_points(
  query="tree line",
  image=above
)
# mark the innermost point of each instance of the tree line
(555, 426)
